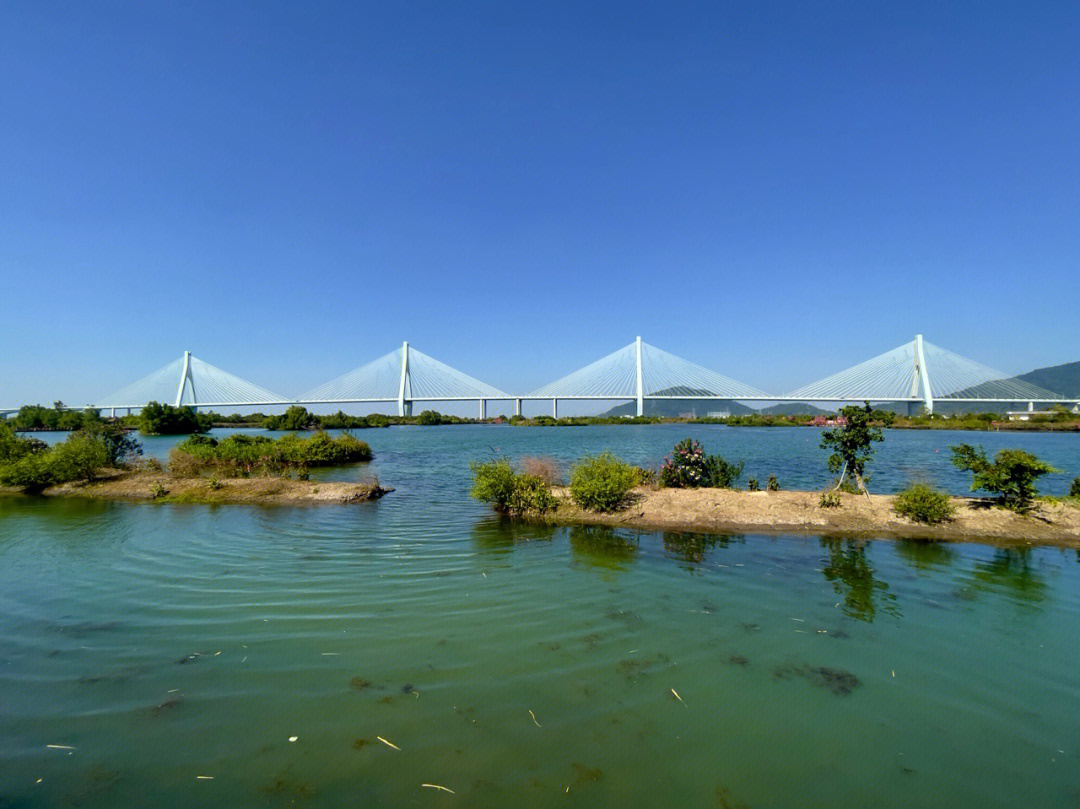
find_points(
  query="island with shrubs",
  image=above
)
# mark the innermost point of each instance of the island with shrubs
(695, 491)
(103, 460)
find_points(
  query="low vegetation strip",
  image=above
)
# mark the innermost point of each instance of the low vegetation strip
(247, 455)
(1054, 522)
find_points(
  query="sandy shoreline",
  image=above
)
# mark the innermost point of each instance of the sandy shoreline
(143, 486)
(728, 511)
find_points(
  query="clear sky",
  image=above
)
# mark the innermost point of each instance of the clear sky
(773, 190)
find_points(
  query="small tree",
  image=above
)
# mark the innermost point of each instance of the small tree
(1011, 475)
(852, 444)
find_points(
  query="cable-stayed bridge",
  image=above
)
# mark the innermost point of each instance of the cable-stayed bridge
(918, 373)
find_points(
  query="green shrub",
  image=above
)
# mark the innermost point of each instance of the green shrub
(159, 419)
(773, 485)
(1074, 490)
(509, 492)
(78, 458)
(924, 504)
(688, 467)
(243, 455)
(602, 482)
(32, 473)
(1011, 475)
(429, 418)
(214, 483)
(829, 500)
(32, 466)
(753, 485)
(13, 447)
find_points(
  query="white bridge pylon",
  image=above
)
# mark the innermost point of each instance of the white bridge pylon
(920, 372)
(190, 381)
(404, 376)
(640, 371)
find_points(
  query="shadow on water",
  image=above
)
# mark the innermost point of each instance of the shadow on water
(925, 556)
(600, 546)
(694, 548)
(499, 535)
(1012, 572)
(852, 576)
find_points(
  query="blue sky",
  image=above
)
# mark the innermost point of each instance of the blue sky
(773, 190)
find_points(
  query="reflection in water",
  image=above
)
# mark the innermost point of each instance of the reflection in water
(1012, 571)
(925, 555)
(602, 546)
(852, 576)
(500, 534)
(693, 547)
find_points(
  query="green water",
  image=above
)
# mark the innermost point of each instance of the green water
(164, 643)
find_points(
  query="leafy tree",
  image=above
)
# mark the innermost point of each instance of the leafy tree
(295, 418)
(1011, 475)
(429, 418)
(852, 444)
(14, 447)
(159, 419)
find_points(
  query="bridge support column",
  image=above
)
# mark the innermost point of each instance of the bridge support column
(640, 385)
(924, 375)
(555, 408)
(483, 410)
(1031, 407)
(517, 407)
(403, 385)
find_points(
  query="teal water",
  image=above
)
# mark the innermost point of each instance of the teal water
(164, 643)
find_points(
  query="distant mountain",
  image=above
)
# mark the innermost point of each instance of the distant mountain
(673, 408)
(1064, 380)
(700, 408)
(793, 409)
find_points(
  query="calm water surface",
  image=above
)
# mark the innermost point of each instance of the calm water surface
(164, 643)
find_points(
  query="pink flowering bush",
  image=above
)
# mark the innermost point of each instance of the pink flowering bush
(688, 467)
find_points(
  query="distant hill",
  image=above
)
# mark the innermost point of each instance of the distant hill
(673, 408)
(1063, 380)
(793, 409)
(700, 408)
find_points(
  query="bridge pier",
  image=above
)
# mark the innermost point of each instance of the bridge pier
(1031, 407)
(555, 408)
(483, 410)
(517, 407)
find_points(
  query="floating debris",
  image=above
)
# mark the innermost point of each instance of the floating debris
(388, 744)
(359, 683)
(439, 787)
(408, 688)
(534, 719)
(60, 747)
(293, 738)
(676, 693)
(204, 778)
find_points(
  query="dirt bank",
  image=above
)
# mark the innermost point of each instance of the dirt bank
(728, 511)
(160, 487)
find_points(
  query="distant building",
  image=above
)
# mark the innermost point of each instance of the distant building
(718, 414)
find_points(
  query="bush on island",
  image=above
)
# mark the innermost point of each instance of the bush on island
(243, 455)
(32, 466)
(688, 467)
(602, 482)
(510, 492)
(159, 419)
(1011, 475)
(925, 504)
(1074, 490)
